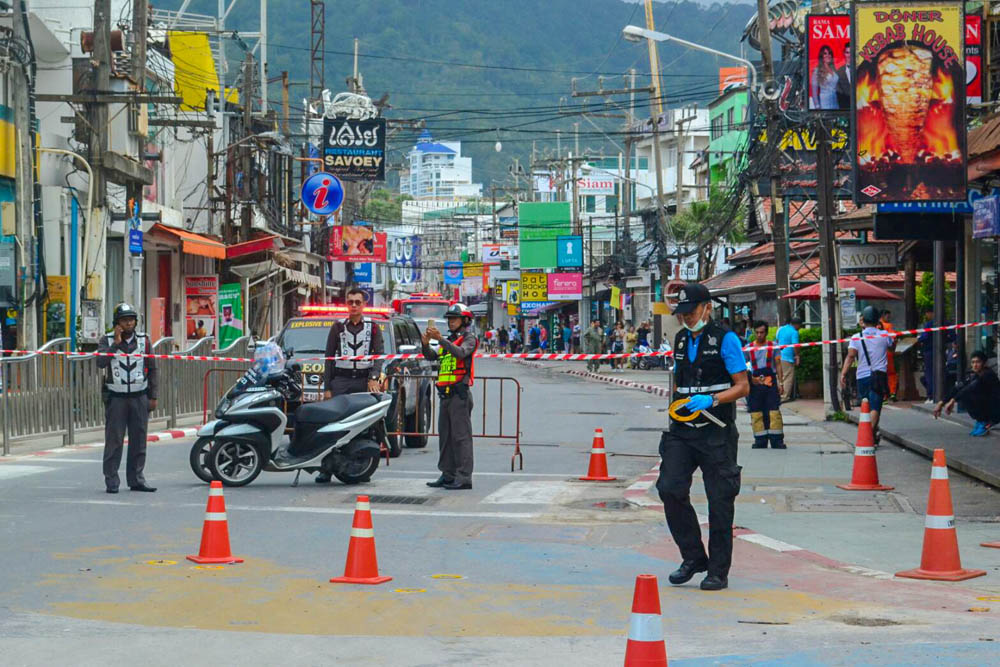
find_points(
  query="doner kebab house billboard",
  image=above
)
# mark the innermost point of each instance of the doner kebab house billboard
(909, 102)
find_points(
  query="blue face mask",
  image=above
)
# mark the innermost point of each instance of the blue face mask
(696, 327)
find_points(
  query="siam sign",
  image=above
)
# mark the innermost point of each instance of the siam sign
(909, 102)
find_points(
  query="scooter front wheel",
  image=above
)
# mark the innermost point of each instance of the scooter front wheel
(198, 458)
(235, 463)
(356, 471)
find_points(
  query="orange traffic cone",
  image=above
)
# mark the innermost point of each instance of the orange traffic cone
(992, 545)
(940, 560)
(362, 565)
(645, 647)
(864, 477)
(598, 470)
(215, 533)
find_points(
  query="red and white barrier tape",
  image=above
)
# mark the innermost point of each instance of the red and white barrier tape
(537, 356)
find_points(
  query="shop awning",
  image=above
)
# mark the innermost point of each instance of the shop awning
(862, 290)
(263, 244)
(256, 270)
(193, 244)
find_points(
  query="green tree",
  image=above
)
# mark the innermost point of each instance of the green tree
(925, 296)
(385, 206)
(700, 223)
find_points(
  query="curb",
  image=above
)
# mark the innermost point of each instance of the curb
(162, 436)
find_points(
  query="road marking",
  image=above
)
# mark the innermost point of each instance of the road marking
(532, 493)
(52, 459)
(769, 542)
(311, 510)
(568, 475)
(867, 572)
(16, 470)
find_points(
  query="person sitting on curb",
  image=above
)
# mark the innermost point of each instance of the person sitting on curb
(978, 394)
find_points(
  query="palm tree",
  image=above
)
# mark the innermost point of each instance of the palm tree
(705, 225)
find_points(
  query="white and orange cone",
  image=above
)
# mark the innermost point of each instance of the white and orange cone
(991, 545)
(940, 560)
(645, 647)
(597, 471)
(215, 533)
(864, 476)
(362, 564)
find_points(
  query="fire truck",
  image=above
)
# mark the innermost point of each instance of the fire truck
(423, 306)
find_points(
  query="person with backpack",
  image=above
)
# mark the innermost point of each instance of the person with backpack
(871, 349)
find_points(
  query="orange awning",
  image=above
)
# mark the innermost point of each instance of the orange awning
(194, 244)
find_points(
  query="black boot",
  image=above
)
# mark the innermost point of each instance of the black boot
(439, 482)
(688, 569)
(714, 582)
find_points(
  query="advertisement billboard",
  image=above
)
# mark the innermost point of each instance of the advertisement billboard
(230, 313)
(356, 243)
(986, 217)
(56, 313)
(539, 224)
(909, 101)
(200, 312)
(828, 71)
(796, 163)
(569, 251)
(565, 286)
(452, 273)
(354, 149)
(973, 59)
(534, 287)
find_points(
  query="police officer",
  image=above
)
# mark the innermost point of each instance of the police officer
(130, 387)
(710, 375)
(355, 336)
(455, 376)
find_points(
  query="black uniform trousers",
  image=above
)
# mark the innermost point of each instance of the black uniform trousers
(342, 384)
(455, 459)
(125, 412)
(713, 449)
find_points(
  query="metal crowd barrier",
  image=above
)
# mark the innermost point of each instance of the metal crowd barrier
(44, 395)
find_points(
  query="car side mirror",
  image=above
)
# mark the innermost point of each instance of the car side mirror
(408, 349)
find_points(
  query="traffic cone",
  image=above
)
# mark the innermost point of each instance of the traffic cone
(864, 477)
(598, 470)
(215, 533)
(645, 647)
(992, 545)
(940, 560)
(362, 565)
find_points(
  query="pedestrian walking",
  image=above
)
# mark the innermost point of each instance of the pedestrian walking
(356, 335)
(576, 337)
(618, 346)
(885, 324)
(788, 358)
(871, 349)
(534, 338)
(129, 392)
(978, 394)
(567, 336)
(593, 340)
(503, 339)
(764, 401)
(710, 373)
(455, 376)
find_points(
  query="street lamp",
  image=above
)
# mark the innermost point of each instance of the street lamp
(634, 33)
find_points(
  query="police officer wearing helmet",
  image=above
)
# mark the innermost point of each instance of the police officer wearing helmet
(456, 353)
(709, 376)
(130, 387)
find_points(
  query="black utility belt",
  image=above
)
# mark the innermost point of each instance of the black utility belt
(121, 394)
(459, 389)
(339, 373)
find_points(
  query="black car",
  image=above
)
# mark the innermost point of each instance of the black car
(409, 380)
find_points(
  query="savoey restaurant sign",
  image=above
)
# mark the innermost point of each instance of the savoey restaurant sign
(859, 260)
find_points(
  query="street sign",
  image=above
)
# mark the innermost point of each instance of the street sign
(135, 241)
(355, 149)
(569, 251)
(870, 258)
(849, 307)
(452, 273)
(322, 193)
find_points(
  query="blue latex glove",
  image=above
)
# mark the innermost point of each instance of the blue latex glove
(699, 402)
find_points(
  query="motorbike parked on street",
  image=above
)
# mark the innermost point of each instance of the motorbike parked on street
(649, 363)
(342, 435)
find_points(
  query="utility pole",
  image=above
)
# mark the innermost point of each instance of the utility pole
(284, 103)
(778, 236)
(140, 20)
(576, 197)
(246, 97)
(27, 332)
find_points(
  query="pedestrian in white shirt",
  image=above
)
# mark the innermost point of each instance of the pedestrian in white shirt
(871, 349)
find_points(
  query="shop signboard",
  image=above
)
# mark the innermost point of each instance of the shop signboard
(539, 225)
(230, 313)
(909, 101)
(200, 296)
(828, 69)
(364, 273)
(57, 307)
(354, 149)
(534, 287)
(596, 182)
(533, 307)
(565, 286)
(796, 163)
(356, 243)
(986, 217)
(870, 258)
(569, 251)
(973, 59)
(452, 273)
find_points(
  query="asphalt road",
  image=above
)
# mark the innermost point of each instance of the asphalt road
(528, 568)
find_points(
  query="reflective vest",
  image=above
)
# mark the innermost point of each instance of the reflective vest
(454, 370)
(125, 374)
(355, 344)
(707, 374)
(768, 364)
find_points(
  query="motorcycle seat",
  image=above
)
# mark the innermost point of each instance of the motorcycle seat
(333, 409)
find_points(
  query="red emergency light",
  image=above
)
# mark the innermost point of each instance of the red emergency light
(338, 309)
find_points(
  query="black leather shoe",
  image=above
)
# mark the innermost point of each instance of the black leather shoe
(110, 490)
(143, 487)
(688, 569)
(714, 582)
(322, 478)
(457, 486)
(440, 482)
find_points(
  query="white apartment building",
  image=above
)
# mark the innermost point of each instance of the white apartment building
(437, 171)
(695, 139)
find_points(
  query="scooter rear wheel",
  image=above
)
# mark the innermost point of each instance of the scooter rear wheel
(198, 458)
(356, 471)
(235, 463)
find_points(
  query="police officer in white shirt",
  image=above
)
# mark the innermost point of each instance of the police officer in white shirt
(871, 349)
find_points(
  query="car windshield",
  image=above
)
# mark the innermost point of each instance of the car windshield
(307, 336)
(422, 311)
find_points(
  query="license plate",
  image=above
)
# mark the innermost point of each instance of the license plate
(310, 396)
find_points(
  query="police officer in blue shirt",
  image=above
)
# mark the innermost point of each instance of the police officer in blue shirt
(710, 374)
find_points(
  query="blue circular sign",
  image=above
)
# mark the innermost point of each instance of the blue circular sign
(322, 193)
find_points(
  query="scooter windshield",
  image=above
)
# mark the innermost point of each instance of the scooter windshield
(252, 380)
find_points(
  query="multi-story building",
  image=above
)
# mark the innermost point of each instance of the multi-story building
(437, 171)
(728, 130)
(684, 133)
